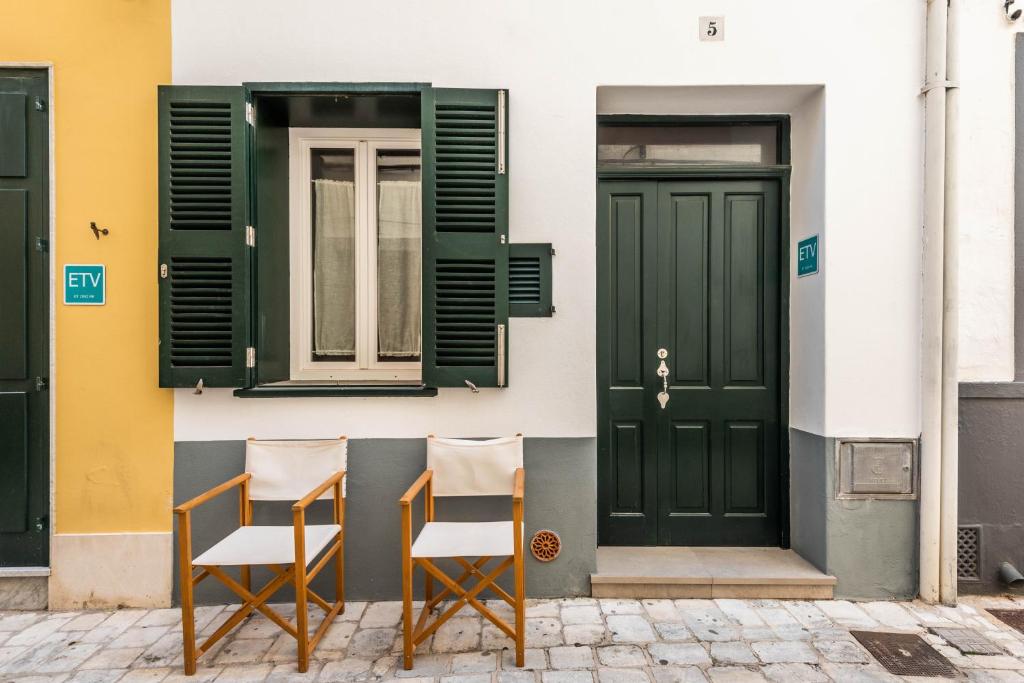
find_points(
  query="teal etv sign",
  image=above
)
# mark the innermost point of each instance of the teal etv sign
(85, 285)
(807, 256)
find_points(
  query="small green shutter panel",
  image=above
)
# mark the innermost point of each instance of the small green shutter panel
(204, 265)
(529, 280)
(465, 238)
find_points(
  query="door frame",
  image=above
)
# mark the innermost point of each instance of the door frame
(780, 172)
(46, 67)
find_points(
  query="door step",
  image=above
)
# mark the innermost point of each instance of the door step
(672, 572)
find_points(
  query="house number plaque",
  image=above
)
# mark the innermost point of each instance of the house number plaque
(712, 28)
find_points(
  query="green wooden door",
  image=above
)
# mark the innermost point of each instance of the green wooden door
(24, 319)
(689, 274)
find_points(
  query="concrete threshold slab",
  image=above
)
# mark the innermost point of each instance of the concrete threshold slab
(690, 572)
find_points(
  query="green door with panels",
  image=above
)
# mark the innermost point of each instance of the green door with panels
(24, 319)
(689, 362)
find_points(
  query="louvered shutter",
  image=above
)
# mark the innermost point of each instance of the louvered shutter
(465, 238)
(204, 260)
(529, 281)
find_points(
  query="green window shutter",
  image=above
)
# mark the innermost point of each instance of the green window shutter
(204, 258)
(465, 238)
(529, 280)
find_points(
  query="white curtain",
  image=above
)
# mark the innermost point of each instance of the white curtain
(398, 268)
(334, 268)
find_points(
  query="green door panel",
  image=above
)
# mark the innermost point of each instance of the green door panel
(14, 462)
(14, 137)
(626, 218)
(465, 239)
(24, 318)
(14, 229)
(691, 267)
(204, 260)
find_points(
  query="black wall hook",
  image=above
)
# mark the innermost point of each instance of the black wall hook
(97, 231)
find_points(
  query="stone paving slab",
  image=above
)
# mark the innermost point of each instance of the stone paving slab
(572, 640)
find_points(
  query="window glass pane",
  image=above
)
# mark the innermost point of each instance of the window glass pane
(334, 247)
(398, 255)
(619, 145)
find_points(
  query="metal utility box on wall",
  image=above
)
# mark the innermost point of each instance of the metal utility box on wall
(877, 468)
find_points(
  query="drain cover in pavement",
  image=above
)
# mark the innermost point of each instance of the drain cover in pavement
(1010, 617)
(905, 654)
(967, 640)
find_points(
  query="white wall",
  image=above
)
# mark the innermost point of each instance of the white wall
(863, 380)
(986, 147)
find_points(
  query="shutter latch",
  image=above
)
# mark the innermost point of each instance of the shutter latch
(250, 236)
(250, 357)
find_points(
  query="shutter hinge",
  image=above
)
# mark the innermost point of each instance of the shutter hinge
(250, 114)
(250, 357)
(501, 132)
(42, 245)
(163, 271)
(250, 236)
(501, 238)
(40, 104)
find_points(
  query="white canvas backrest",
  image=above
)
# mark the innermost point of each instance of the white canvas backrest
(288, 470)
(463, 467)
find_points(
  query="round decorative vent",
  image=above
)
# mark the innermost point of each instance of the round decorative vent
(545, 545)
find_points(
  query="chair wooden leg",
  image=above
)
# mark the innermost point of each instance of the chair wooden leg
(247, 577)
(301, 598)
(188, 616)
(407, 625)
(520, 598)
(302, 618)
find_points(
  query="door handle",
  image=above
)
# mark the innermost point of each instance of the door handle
(663, 374)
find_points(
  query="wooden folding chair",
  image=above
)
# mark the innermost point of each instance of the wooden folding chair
(303, 471)
(460, 467)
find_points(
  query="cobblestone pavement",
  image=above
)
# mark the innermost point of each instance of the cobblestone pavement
(568, 641)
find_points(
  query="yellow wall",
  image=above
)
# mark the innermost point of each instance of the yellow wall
(114, 433)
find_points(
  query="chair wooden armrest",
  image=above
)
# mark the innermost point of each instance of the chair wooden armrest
(519, 485)
(239, 480)
(304, 502)
(417, 485)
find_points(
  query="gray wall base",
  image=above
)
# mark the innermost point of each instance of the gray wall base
(561, 494)
(992, 479)
(870, 546)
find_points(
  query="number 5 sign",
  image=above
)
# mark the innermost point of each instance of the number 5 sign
(712, 28)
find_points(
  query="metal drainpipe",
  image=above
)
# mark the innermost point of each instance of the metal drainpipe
(950, 319)
(932, 301)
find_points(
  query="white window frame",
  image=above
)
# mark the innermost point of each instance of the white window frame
(365, 142)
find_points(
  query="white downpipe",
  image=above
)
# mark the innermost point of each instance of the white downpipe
(932, 300)
(950, 319)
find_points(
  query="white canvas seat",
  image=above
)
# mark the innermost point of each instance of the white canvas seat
(464, 539)
(266, 545)
(303, 471)
(465, 467)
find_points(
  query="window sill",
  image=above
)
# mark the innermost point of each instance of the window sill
(335, 390)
